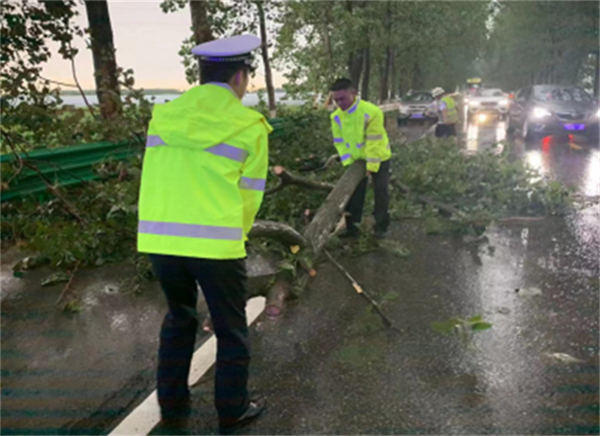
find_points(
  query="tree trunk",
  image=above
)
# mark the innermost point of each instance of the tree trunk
(318, 231)
(597, 75)
(364, 92)
(417, 77)
(355, 66)
(394, 79)
(200, 24)
(384, 85)
(266, 62)
(327, 42)
(103, 52)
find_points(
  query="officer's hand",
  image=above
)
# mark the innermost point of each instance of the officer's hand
(368, 173)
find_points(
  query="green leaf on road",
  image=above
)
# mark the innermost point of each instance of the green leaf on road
(476, 318)
(444, 326)
(391, 296)
(54, 279)
(478, 326)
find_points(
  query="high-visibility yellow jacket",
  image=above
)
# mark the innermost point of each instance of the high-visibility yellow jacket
(359, 133)
(451, 112)
(203, 176)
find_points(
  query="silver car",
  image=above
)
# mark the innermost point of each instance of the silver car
(415, 106)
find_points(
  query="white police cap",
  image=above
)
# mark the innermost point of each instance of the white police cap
(234, 49)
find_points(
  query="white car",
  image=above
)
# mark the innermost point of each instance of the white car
(487, 102)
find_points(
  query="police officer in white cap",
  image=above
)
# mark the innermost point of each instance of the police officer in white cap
(203, 181)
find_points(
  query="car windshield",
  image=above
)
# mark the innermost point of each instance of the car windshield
(562, 94)
(419, 96)
(491, 93)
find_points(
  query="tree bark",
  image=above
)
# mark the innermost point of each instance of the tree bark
(327, 42)
(394, 77)
(286, 178)
(278, 231)
(318, 231)
(103, 52)
(384, 85)
(364, 92)
(417, 77)
(200, 23)
(597, 75)
(265, 55)
(355, 66)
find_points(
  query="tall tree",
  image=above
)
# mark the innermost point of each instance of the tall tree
(200, 24)
(103, 52)
(265, 57)
(366, 80)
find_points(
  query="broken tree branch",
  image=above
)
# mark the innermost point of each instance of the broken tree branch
(72, 210)
(276, 297)
(448, 209)
(67, 287)
(278, 231)
(286, 178)
(359, 290)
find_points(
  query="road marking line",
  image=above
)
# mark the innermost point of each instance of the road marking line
(146, 416)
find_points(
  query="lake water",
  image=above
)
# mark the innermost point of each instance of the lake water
(250, 99)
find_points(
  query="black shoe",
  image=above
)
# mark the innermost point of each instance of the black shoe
(254, 410)
(175, 408)
(350, 232)
(380, 234)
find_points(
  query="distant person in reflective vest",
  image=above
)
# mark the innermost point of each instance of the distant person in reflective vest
(203, 181)
(446, 112)
(359, 134)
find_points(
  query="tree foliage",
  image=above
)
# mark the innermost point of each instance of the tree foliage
(28, 101)
(543, 42)
(405, 44)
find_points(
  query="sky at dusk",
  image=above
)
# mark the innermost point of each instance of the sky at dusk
(147, 40)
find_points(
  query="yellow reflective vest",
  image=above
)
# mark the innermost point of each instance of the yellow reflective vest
(451, 113)
(359, 133)
(203, 175)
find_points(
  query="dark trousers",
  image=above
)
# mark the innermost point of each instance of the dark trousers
(223, 283)
(355, 206)
(445, 130)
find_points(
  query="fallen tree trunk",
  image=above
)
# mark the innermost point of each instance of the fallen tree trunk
(318, 231)
(316, 234)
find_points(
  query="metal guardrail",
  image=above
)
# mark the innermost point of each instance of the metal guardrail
(71, 165)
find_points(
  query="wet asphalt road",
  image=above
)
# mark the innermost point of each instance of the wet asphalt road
(326, 365)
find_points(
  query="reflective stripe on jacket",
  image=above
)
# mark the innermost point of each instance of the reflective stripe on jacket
(451, 112)
(203, 176)
(359, 133)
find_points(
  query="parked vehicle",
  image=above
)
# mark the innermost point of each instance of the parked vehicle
(544, 110)
(414, 107)
(490, 101)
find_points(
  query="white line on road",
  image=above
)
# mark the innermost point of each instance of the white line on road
(146, 416)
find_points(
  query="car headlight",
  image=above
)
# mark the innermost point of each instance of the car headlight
(475, 103)
(503, 102)
(598, 114)
(540, 112)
